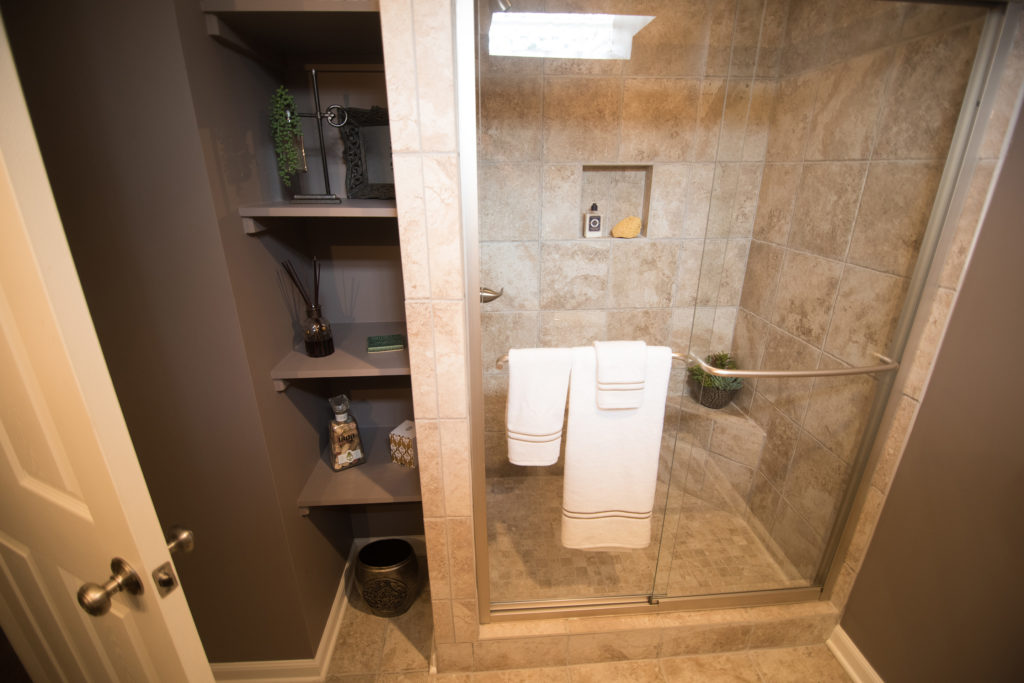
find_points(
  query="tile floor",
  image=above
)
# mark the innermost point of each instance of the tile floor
(373, 649)
(709, 549)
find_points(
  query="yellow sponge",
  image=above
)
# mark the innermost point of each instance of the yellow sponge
(627, 227)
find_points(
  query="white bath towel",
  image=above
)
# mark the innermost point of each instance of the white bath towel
(537, 383)
(611, 459)
(621, 373)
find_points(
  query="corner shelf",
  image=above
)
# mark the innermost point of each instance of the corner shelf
(350, 358)
(256, 216)
(378, 480)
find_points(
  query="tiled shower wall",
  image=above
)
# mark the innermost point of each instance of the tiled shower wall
(693, 104)
(867, 100)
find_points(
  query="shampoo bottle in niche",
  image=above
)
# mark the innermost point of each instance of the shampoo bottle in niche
(592, 222)
(346, 448)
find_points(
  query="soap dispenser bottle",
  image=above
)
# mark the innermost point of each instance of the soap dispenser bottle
(592, 222)
(346, 448)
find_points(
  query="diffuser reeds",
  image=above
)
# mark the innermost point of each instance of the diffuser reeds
(290, 269)
(316, 330)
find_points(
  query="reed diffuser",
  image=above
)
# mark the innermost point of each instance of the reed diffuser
(316, 330)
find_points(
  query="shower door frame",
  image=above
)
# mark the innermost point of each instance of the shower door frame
(993, 48)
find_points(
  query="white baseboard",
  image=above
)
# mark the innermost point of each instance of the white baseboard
(308, 670)
(849, 656)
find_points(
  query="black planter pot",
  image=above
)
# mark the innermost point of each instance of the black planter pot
(713, 398)
(388, 576)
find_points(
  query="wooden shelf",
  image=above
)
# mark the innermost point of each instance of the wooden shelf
(378, 480)
(349, 359)
(256, 218)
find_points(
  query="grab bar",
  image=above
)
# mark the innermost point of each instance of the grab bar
(887, 365)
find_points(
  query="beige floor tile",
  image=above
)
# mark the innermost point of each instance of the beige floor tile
(368, 644)
(639, 671)
(732, 668)
(351, 678)
(407, 639)
(798, 664)
(404, 677)
(557, 674)
(360, 640)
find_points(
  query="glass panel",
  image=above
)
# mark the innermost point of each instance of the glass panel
(782, 158)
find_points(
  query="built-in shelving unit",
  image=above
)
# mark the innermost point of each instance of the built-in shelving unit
(364, 286)
(378, 480)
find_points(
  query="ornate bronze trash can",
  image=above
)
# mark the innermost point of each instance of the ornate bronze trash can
(388, 576)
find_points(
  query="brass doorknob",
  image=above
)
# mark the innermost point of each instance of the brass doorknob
(95, 599)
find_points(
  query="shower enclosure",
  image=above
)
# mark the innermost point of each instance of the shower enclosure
(785, 158)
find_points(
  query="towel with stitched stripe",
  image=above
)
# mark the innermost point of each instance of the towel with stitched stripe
(611, 458)
(537, 383)
(621, 374)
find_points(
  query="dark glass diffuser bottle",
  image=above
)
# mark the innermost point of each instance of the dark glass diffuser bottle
(316, 332)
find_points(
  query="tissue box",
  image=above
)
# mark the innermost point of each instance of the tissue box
(402, 440)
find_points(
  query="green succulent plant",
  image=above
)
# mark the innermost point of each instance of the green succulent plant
(286, 130)
(722, 360)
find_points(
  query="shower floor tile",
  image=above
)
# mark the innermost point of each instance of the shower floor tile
(707, 550)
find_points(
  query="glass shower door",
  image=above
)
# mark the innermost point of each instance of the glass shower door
(782, 159)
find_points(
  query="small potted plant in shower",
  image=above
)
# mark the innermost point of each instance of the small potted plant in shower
(713, 391)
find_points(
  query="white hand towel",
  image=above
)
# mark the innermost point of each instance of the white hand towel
(621, 373)
(611, 459)
(537, 383)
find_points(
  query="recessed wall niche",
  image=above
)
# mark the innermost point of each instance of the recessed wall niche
(619, 192)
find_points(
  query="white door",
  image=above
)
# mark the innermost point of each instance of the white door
(72, 495)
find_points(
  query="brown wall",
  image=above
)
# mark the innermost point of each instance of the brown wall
(127, 140)
(939, 596)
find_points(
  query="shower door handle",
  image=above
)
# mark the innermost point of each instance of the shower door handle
(488, 295)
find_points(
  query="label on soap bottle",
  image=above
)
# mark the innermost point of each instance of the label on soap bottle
(592, 222)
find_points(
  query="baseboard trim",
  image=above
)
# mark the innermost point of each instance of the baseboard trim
(313, 670)
(309, 670)
(850, 657)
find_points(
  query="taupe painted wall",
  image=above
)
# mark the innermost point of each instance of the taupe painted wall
(939, 596)
(127, 140)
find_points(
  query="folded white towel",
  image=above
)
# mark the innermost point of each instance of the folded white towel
(537, 383)
(611, 459)
(621, 373)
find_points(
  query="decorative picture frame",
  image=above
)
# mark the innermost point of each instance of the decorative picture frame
(367, 141)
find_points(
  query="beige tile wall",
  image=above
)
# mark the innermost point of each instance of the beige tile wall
(933, 314)
(691, 106)
(869, 94)
(419, 60)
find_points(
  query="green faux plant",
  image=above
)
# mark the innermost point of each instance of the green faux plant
(287, 133)
(722, 360)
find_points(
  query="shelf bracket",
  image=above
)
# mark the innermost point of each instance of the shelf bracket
(251, 226)
(223, 34)
(304, 511)
(280, 385)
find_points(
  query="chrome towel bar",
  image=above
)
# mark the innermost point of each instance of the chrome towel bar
(887, 365)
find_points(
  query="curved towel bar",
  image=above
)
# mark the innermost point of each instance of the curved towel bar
(887, 365)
